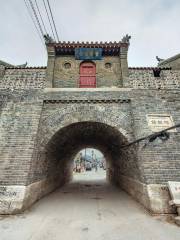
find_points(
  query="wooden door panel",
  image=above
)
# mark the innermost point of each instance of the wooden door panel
(88, 70)
(88, 81)
(87, 75)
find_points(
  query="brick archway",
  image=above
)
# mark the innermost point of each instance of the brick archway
(66, 134)
(55, 155)
(58, 119)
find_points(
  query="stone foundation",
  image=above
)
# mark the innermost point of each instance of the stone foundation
(15, 199)
(154, 197)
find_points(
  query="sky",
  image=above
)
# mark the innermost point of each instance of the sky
(88, 152)
(153, 25)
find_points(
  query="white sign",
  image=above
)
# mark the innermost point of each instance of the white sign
(174, 188)
(12, 193)
(159, 122)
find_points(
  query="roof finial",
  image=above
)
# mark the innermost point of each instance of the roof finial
(126, 39)
(159, 59)
(48, 39)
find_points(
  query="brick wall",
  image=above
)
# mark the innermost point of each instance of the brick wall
(31, 119)
(18, 127)
(159, 160)
(18, 118)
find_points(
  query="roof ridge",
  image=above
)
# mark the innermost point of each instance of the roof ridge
(149, 68)
(170, 59)
(38, 67)
(89, 44)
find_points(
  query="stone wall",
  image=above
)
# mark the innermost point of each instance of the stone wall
(69, 78)
(35, 78)
(23, 78)
(2, 71)
(144, 79)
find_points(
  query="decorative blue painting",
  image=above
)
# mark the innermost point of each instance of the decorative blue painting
(88, 53)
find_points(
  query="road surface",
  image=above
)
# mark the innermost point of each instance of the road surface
(86, 209)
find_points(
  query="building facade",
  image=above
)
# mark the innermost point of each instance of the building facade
(87, 96)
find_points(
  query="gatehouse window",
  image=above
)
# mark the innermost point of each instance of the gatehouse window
(108, 65)
(67, 65)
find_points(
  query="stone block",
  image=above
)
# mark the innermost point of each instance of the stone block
(174, 188)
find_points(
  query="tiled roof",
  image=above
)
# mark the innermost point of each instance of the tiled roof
(169, 60)
(40, 67)
(108, 48)
(149, 68)
(89, 44)
(5, 64)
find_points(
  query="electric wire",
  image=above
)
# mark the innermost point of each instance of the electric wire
(33, 20)
(151, 137)
(53, 20)
(45, 30)
(36, 17)
(49, 19)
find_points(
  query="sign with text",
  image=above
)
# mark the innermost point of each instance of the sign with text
(88, 53)
(159, 122)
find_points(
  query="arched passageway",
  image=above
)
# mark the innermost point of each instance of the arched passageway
(58, 154)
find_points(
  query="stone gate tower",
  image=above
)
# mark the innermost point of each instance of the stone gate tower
(87, 96)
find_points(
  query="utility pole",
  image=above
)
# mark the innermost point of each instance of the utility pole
(85, 154)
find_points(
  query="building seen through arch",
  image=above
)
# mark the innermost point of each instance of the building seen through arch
(88, 159)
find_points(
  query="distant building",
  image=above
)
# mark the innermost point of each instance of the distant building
(172, 62)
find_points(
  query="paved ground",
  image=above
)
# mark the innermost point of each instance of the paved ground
(85, 210)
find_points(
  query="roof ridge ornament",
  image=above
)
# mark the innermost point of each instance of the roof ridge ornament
(22, 65)
(159, 59)
(48, 39)
(126, 39)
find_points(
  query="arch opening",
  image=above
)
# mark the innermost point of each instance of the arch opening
(58, 155)
(89, 165)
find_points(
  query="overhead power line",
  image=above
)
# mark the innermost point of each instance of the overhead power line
(49, 19)
(33, 20)
(36, 17)
(163, 134)
(45, 30)
(53, 20)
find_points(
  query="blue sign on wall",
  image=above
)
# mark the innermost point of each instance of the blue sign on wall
(88, 53)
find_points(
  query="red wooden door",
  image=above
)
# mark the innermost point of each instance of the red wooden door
(87, 75)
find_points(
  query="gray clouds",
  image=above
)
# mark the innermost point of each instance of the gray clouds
(154, 26)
